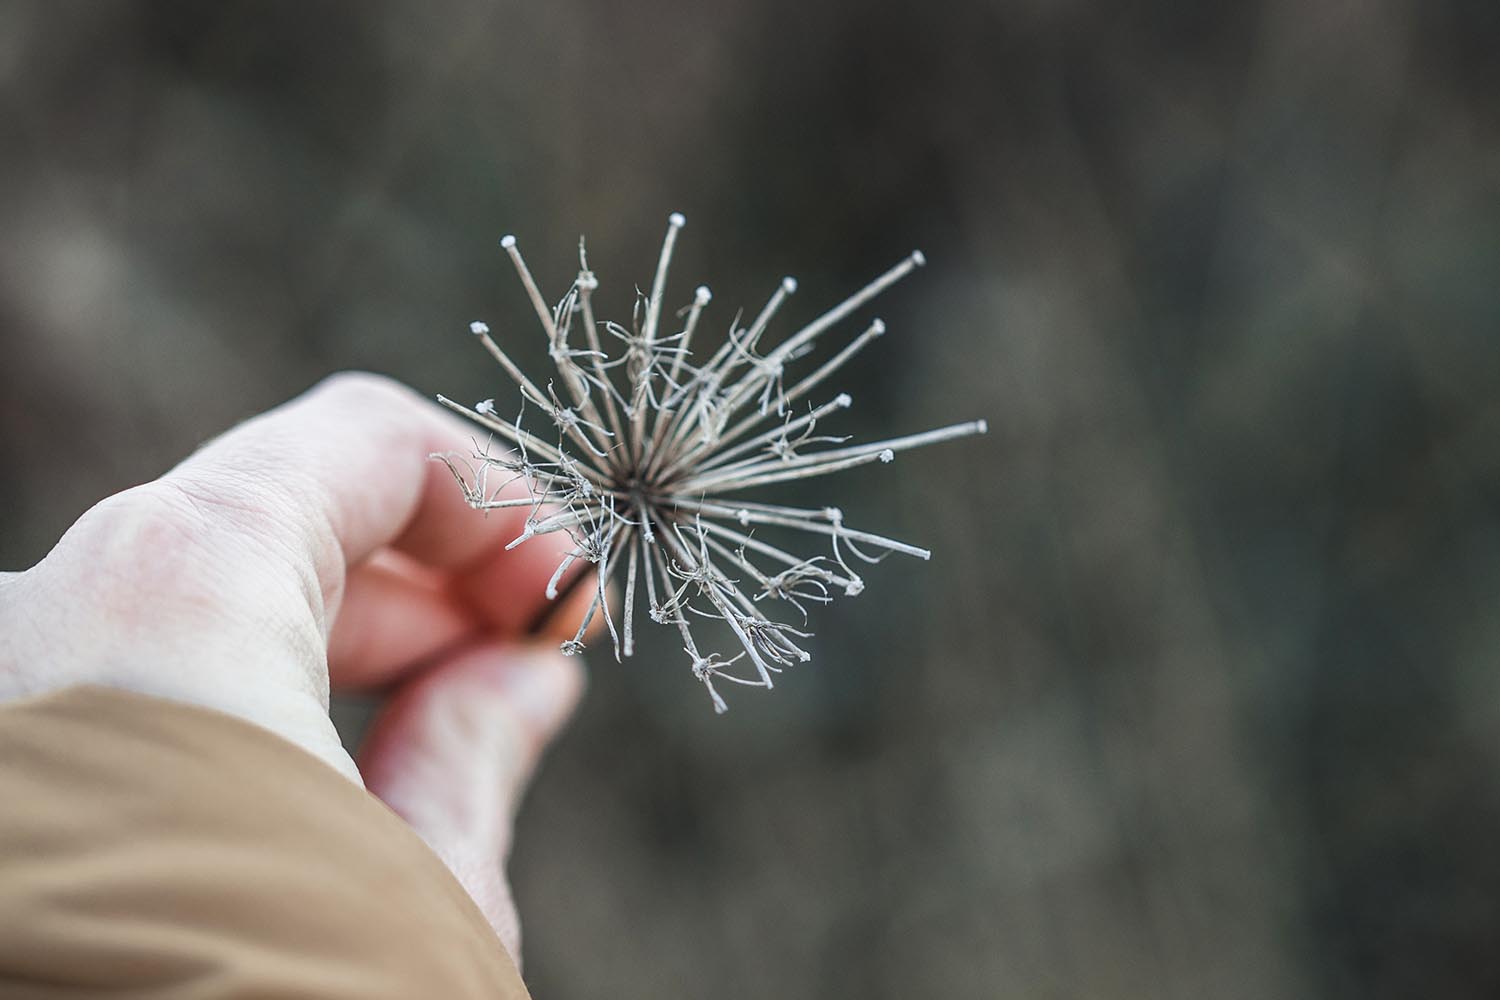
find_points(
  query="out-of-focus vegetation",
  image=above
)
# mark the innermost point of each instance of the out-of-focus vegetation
(1199, 695)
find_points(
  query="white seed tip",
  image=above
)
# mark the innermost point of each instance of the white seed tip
(789, 285)
(676, 220)
(918, 258)
(477, 328)
(877, 327)
(485, 406)
(843, 399)
(888, 456)
(507, 241)
(702, 295)
(983, 426)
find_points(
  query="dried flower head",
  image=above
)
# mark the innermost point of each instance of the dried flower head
(646, 449)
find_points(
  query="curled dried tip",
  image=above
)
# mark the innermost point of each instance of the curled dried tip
(676, 220)
(877, 327)
(888, 455)
(478, 329)
(507, 241)
(843, 400)
(702, 295)
(789, 285)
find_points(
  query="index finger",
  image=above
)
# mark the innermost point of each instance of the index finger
(343, 470)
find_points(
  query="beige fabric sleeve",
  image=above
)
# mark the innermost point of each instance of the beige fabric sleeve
(152, 849)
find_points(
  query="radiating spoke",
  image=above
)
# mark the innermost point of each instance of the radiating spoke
(646, 441)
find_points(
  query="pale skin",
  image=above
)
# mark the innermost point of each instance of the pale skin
(315, 548)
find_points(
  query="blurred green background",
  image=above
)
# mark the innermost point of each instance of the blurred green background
(1198, 696)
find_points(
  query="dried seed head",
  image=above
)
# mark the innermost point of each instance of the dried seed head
(647, 448)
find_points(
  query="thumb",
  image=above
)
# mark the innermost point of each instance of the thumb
(454, 749)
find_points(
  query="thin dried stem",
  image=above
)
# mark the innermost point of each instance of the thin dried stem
(730, 479)
(804, 522)
(508, 243)
(649, 446)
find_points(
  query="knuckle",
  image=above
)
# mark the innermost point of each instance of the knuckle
(189, 551)
(155, 516)
(176, 532)
(166, 533)
(143, 545)
(174, 600)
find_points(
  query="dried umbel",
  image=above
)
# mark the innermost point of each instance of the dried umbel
(641, 447)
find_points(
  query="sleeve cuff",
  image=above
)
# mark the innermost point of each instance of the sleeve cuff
(147, 845)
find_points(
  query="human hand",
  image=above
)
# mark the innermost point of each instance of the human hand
(312, 547)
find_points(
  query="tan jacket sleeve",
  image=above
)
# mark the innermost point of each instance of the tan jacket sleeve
(151, 849)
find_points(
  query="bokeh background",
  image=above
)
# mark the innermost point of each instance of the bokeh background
(1199, 695)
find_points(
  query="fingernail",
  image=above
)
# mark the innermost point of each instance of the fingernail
(542, 687)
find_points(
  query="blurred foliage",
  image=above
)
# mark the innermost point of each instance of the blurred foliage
(1198, 696)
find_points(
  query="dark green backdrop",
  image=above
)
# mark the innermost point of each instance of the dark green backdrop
(1198, 697)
